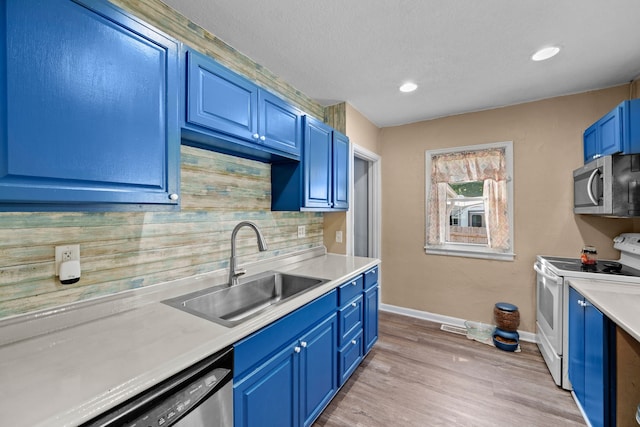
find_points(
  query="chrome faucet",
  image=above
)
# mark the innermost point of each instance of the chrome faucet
(234, 272)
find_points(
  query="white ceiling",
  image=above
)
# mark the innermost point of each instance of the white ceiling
(465, 55)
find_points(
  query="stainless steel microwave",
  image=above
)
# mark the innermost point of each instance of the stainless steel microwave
(608, 185)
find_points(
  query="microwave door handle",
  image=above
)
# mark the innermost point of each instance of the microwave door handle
(589, 186)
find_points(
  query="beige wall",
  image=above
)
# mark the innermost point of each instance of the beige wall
(365, 134)
(547, 137)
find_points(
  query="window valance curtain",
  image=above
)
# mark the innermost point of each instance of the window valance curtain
(488, 166)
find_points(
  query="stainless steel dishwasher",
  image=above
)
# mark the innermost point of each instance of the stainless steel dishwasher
(199, 396)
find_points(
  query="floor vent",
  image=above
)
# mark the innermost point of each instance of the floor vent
(453, 329)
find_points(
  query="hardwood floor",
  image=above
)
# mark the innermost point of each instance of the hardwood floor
(418, 375)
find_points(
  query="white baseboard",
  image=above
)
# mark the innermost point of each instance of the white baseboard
(439, 318)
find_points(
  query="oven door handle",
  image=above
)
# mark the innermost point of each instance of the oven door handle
(553, 277)
(590, 185)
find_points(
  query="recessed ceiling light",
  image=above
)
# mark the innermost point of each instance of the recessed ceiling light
(545, 53)
(408, 87)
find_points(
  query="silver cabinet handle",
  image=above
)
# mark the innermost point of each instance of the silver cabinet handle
(303, 344)
(589, 184)
(354, 342)
(255, 136)
(353, 304)
(262, 138)
(173, 196)
(297, 349)
(354, 283)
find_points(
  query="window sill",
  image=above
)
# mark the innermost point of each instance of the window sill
(469, 252)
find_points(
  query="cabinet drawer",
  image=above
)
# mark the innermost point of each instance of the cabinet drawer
(266, 341)
(350, 290)
(350, 319)
(371, 277)
(349, 357)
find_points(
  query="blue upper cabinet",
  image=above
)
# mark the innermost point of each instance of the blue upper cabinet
(226, 112)
(340, 165)
(88, 109)
(616, 132)
(318, 149)
(219, 99)
(320, 182)
(279, 124)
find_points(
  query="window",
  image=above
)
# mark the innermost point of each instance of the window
(470, 201)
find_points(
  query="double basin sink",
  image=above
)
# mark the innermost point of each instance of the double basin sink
(232, 305)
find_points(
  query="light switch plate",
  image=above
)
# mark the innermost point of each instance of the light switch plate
(302, 231)
(339, 236)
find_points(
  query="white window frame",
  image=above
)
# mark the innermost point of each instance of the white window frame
(466, 249)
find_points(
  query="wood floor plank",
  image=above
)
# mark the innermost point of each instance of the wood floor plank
(417, 375)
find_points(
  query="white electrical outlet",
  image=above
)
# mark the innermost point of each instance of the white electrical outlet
(339, 236)
(66, 253)
(302, 231)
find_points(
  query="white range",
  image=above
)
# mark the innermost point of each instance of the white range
(552, 292)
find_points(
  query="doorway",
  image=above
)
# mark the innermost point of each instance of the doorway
(363, 220)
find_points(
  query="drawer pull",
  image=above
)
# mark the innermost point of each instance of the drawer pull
(303, 344)
(353, 304)
(297, 349)
(354, 283)
(354, 342)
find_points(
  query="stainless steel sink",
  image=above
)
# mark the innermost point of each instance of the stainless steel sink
(232, 305)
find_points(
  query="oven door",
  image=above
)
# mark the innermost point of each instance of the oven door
(549, 297)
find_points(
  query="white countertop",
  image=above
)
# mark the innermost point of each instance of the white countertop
(620, 302)
(98, 354)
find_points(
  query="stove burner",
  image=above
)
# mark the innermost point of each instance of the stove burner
(612, 267)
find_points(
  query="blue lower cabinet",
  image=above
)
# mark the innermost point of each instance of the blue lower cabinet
(287, 372)
(370, 318)
(268, 397)
(350, 356)
(88, 109)
(350, 317)
(318, 367)
(592, 360)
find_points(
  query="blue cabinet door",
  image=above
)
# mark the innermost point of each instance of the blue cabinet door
(318, 369)
(268, 397)
(279, 124)
(370, 318)
(349, 357)
(590, 143)
(596, 365)
(88, 109)
(317, 164)
(219, 99)
(610, 132)
(340, 171)
(591, 347)
(576, 343)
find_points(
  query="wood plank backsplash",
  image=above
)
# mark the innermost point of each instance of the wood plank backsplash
(126, 250)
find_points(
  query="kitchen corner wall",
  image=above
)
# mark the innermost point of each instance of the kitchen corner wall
(126, 250)
(547, 140)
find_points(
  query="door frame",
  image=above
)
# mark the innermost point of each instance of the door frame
(375, 200)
